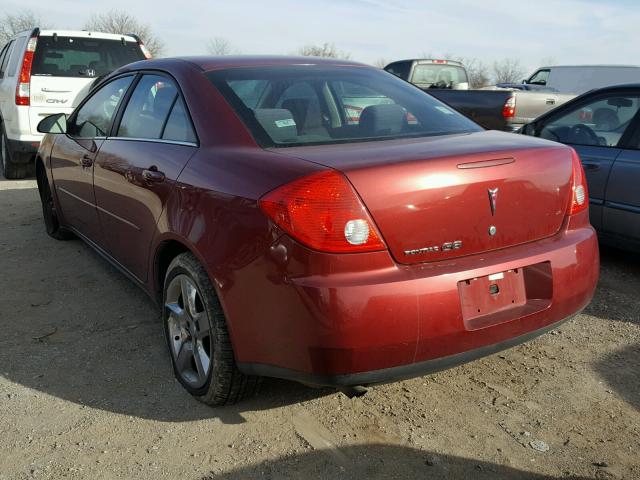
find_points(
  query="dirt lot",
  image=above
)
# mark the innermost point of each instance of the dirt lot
(86, 390)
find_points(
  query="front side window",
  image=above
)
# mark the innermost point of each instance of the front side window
(539, 78)
(82, 57)
(600, 122)
(302, 105)
(93, 119)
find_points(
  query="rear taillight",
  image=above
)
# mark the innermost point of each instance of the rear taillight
(23, 88)
(579, 193)
(323, 212)
(145, 50)
(509, 109)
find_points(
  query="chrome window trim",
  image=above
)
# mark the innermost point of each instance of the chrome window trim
(155, 140)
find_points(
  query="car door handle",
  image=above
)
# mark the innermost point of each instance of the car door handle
(591, 166)
(153, 175)
(86, 161)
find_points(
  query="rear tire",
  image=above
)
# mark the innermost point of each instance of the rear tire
(10, 170)
(51, 222)
(198, 338)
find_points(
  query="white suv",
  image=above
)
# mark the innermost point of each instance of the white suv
(43, 72)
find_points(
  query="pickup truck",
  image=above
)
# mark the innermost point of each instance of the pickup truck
(493, 108)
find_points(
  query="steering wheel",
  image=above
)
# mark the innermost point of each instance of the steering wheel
(583, 135)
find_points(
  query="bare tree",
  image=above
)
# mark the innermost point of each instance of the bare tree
(220, 46)
(12, 24)
(324, 50)
(381, 62)
(509, 70)
(117, 21)
(478, 72)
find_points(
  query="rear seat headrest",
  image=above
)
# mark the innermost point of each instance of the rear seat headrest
(278, 123)
(386, 119)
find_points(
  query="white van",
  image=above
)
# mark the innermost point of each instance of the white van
(578, 79)
(43, 72)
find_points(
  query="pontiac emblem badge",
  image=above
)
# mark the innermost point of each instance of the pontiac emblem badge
(493, 198)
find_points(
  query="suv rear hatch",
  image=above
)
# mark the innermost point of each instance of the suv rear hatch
(65, 66)
(444, 197)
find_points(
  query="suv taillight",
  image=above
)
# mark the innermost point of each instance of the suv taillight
(579, 193)
(23, 88)
(145, 50)
(323, 212)
(509, 109)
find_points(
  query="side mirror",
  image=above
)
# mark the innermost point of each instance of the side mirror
(524, 81)
(53, 124)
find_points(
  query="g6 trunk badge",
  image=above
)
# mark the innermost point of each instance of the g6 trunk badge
(445, 247)
(493, 198)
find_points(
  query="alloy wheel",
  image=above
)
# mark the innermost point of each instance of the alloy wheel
(189, 331)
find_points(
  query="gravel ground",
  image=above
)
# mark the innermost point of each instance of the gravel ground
(86, 390)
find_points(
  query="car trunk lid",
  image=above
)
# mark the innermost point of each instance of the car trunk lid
(444, 197)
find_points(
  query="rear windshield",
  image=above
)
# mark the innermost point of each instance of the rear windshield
(304, 105)
(438, 75)
(82, 57)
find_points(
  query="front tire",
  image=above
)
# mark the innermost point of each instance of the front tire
(198, 338)
(10, 170)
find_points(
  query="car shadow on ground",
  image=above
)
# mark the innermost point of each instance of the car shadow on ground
(378, 461)
(79, 330)
(618, 287)
(620, 369)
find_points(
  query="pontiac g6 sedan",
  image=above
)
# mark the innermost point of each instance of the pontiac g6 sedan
(317, 220)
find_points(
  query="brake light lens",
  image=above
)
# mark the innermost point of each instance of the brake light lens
(579, 193)
(23, 89)
(145, 50)
(323, 212)
(509, 109)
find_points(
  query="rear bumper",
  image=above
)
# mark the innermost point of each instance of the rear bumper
(394, 374)
(362, 319)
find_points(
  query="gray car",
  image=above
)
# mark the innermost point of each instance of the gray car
(604, 127)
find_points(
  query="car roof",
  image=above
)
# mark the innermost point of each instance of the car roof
(208, 63)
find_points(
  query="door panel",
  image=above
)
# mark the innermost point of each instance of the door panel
(72, 164)
(597, 163)
(133, 180)
(621, 215)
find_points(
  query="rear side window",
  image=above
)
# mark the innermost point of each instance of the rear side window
(5, 58)
(178, 128)
(16, 56)
(399, 69)
(82, 57)
(94, 118)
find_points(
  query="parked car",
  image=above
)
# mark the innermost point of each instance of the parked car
(431, 73)
(604, 127)
(49, 71)
(493, 108)
(577, 79)
(284, 239)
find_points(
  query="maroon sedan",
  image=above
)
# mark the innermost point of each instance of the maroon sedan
(317, 220)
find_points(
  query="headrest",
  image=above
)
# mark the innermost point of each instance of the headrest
(278, 123)
(382, 119)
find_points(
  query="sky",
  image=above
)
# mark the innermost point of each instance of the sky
(535, 32)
